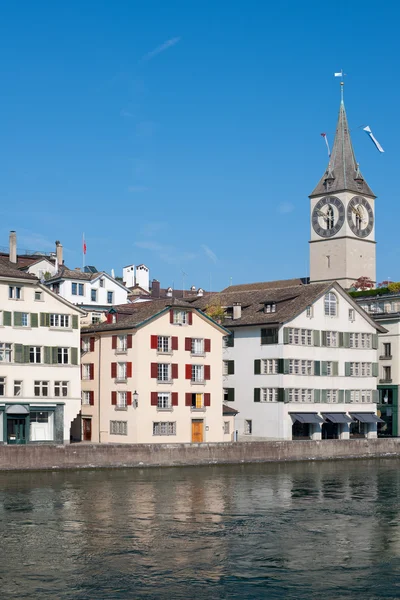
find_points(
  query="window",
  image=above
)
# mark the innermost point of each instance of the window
(300, 337)
(269, 366)
(163, 372)
(110, 297)
(331, 339)
(122, 343)
(300, 395)
(81, 289)
(225, 367)
(180, 317)
(121, 400)
(96, 318)
(387, 373)
(86, 398)
(387, 349)
(74, 289)
(85, 344)
(35, 354)
(330, 304)
(300, 367)
(352, 314)
(269, 394)
(197, 401)
(163, 343)
(41, 388)
(227, 428)
(360, 340)
(164, 428)
(24, 319)
(2, 386)
(332, 396)
(62, 356)
(5, 352)
(101, 282)
(18, 387)
(269, 336)
(329, 367)
(361, 396)
(118, 427)
(121, 371)
(86, 371)
(270, 307)
(61, 389)
(41, 426)
(197, 346)
(248, 427)
(57, 320)
(15, 292)
(38, 295)
(93, 295)
(309, 312)
(164, 400)
(198, 373)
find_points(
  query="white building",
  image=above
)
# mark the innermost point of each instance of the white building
(136, 277)
(39, 360)
(301, 362)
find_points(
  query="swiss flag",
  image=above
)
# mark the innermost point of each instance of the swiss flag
(84, 246)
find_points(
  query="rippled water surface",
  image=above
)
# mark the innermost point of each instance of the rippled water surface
(309, 530)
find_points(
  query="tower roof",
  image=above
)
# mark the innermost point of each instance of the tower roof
(342, 172)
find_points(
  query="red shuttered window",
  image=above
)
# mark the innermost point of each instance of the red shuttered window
(154, 370)
(154, 398)
(174, 343)
(113, 370)
(188, 371)
(129, 398)
(129, 341)
(190, 318)
(188, 344)
(188, 399)
(91, 398)
(171, 315)
(91, 342)
(91, 371)
(153, 342)
(207, 372)
(207, 345)
(114, 398)
(207, 399)
(174, 371)
(129, 369)
(114, 342)
(174, 398)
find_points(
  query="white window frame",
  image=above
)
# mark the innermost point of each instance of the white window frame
(25, 319)
(86, 344)
(42, 387)
(164, 400)
(62, 353)
(122, 369)
(3, 383)
(59, 321)
(198, 373)
(15, 292)
(164, 428)
(269, 395)
(38, 296)
(197, 346)
(18, 383)
(86, 371)
(227, 428)
(163, 372)
(331, 305)
(122, 399)
(163, 344)
(118, 427)
(122, 343)
(352, 315)
(59, 388)
(5, 352)
(93, 292)
(85, 398)
(180, 317)
(269, 366)
(110, 294)
(248, 427)
(35, 353)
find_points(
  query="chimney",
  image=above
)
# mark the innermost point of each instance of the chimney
(237, 310)
(12, 257)
(155, 288)
(59, 254)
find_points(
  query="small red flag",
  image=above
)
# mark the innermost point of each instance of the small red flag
(84, 247)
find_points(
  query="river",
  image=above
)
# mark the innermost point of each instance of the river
(307, 530)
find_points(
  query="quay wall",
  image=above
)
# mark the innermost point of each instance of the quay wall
(89, 456)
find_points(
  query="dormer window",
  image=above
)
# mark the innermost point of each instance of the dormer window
(169, 292)
(270, 307)
(330, 304)
(228, 312)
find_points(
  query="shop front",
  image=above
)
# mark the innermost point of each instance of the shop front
(306, 426)
(364, 425)
(388, 411)
(30, 423)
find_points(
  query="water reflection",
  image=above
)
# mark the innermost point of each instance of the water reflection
(306, 530)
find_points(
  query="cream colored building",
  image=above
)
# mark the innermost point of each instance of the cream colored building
(154, 376)
(39, 360)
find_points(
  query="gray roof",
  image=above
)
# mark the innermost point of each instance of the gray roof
(342, 170)
(265, 285)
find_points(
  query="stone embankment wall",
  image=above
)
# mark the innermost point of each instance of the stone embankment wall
(87, 456)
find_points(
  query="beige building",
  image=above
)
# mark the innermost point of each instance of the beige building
(154, 375)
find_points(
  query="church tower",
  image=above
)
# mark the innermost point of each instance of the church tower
(342, 245)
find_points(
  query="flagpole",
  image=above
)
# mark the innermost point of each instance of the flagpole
(83, 252)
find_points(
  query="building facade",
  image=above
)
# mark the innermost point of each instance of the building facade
(39, 360)
(301, 363)
(152, 376)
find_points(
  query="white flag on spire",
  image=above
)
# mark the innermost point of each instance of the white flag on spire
(339, 74)
(368, 131)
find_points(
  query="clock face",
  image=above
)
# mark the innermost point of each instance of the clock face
(360, 216)
(328, 216)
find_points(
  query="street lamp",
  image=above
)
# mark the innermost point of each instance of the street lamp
(135, 399)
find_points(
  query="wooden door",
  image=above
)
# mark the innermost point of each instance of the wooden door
(87, 430)
(197, 430)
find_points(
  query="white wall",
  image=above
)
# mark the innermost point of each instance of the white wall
(120, 293)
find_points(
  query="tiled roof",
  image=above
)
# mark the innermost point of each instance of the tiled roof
(265, 285)
(8, 269)
(65, 273)
(26, 260)
(228, 411)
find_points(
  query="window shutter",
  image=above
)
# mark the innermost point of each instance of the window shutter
(6, 318)
(317, 367)
(188, 399)
(375, 396)
(129, 341)
(188, 371)
(207, 345)
(285, 366)
(153, 342)
(154, 370)
(341, 396)
(153, 398)
(91, 371)
(231, 368)
(324, 368)
(74, 356)
(231, 394)
(281, 395)
(174, 371)
(323, 338)
(174, 398)
(114, 342)
(190, 318)
(257, 367)
(34, 320)
(207, 371)
(188, 344)
(114, 398)
(91, 398)
(316, 336)
(129, 398)
(47, 355)
(341, 339)
(335, 368)
(257, 395)
(91, 342)
(44, 320)
(286, 395)
(347, 395)
(128, 369)
(374, 341)
(346, 340)
(286, 335)
(174, 343)
(74, 321)
(280, 365)
(171, 315)
(113, 370)
(17, 319)
(26, 354)
(54, 355)
(375, 369)
(323, 395)
(317, 396)
(230, 340)
(264, 336)
(207, 399)
(347, 369)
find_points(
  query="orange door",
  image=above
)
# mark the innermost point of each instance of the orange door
(87, 429)
(197, 430)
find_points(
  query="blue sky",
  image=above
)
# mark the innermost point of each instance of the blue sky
(186, 134)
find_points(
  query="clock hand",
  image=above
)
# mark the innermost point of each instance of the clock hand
(322, 214)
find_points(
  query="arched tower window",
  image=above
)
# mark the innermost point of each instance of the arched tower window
(329, 217)
(331, 303)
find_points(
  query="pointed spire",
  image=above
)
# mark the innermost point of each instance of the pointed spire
(343, 172)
